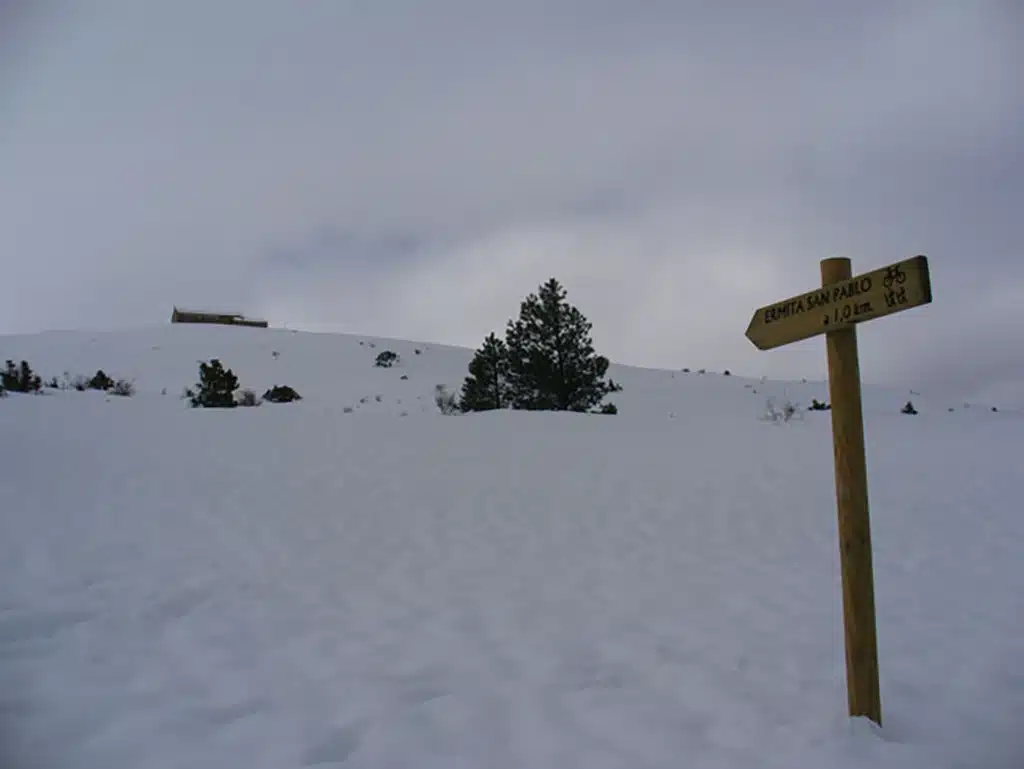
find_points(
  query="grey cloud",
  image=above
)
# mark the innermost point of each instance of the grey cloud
(415, 169)
(331, 245)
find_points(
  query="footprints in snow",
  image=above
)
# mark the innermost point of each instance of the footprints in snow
(336, 747)
(409, 692)
(421, 687)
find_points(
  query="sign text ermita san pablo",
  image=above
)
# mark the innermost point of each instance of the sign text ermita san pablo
(872, 295)
(834, 310)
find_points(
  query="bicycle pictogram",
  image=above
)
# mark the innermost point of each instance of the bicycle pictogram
(894, 276)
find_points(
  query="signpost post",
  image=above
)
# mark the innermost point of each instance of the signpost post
(834, 310)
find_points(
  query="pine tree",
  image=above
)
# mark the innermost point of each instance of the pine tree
(487, 386)
(551, 358)
(20, 379)
(10, 378)
(100, 381)
(216, 388)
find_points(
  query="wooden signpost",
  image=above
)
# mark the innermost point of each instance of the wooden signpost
(834, 310)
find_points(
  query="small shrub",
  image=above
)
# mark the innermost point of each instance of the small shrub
(726, 373)
(418, 351)
(100, 381)
(247, 398)
(281, 394)
(216, 388)
(686, 371)
(275, 354)
(994, 409)
(783, 413)
(404, 377)
(20, 379)
(817, 405)
(447, 402)
(123, 388)
(378, 398)
(908, 409)
(52, 383)
(347, 410)
(702, 371)
(386, 359)
(609, 408)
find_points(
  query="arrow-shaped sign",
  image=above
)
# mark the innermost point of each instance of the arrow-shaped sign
(840, 305)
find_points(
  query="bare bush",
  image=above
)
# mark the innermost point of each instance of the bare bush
(781, 413)
(123, 388)
(447, 402)
(247, 398)
(386, 359)
(281, 394)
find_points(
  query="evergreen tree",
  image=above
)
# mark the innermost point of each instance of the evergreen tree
(20, 379)
(552, 365)
(281, 394)
(100, 381)
(487, 386)
(216, 388)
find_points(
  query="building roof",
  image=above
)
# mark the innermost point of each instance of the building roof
(207, 311)
(217, 313)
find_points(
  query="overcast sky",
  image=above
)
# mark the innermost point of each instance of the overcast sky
(414, 169)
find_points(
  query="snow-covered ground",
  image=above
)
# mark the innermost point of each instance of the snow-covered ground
(300, 585)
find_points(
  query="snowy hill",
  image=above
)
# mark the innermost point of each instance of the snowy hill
(334, 371)
(300, 585)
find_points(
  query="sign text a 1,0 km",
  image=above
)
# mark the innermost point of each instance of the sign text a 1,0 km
(840, 305)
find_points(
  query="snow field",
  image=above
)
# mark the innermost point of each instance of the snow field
(295, 586)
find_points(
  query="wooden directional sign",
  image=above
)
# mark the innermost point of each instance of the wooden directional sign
(840, 305)
(834, 310)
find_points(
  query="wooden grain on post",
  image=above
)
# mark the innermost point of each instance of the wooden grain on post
(851, 480)
(834, 310)
(842, 303)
